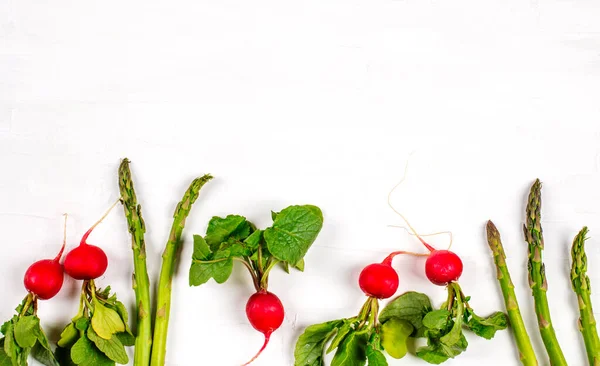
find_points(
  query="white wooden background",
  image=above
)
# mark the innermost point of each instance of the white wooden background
(290, 102)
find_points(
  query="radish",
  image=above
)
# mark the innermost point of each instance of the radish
(265, 313)
(87, 262)
(44, 278)
(235, 239)
(441, 267)
(378, 280)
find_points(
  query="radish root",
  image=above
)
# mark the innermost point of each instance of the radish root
(414, 232)
(85, 236)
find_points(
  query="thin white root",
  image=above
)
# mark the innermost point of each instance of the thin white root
(449, 233)
(414, 232)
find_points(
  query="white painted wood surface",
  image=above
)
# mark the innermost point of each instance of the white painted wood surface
(291, 102)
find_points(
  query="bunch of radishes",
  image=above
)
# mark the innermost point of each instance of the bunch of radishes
(362, 338)
(233, 238)
(98, 332)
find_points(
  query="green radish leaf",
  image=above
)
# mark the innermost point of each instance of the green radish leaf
(112, 348)
(454, 335)
(11, 348)
(22, 356)
(410, 306)
(105, 321)
(43, 355)
(340, 335)
(300, 265)
(253, 241)
(437, 319)
(85, 353)
(201, 249)
(293, 232)
(122, 311)
(237, 248)
(42, 340)
(103, 293)
(5, 360)
(127, 339)
(375, 357)
(5, 325)
(353, 350)
(69, 336)
(220, 229)
(274, 215)
(24, 331)
(394, 334)
(63, 355)
(432, 354)
(82, 324)
(311, 344)
(219, 268)
(487, 327)
(285, 266)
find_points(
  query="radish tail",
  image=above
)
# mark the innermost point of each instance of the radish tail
(429, 247)
(85, 236)
(267, 337)
(64, 244)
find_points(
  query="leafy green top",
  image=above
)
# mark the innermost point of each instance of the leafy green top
(233, 237)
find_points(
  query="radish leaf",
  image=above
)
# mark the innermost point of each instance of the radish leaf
(106, 321)
(294, 230)
(24, 331)
(311, 344)
(112, 348)
(410, 306)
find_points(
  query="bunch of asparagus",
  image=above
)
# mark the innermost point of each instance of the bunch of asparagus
(539, 286)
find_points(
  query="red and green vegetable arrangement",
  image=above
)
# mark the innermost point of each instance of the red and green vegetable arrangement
(100, 332)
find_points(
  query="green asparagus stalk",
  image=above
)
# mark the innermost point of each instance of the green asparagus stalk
(172, 249)
(581, 286)
(537, 274)
(526, 353)
(141, 283)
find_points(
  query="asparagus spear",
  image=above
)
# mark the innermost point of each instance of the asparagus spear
(141, 283)
(161, 322)
(537, 274)
(526, 353)
(581, 286)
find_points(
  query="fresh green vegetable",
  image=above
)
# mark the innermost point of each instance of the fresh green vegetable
(234, 238)
(394, 334)
(537, 274)
(526, 353)
(141, 283)
(442, 327)
(581, 286)
(23, 336)
(355, 340)
(99, 333)
(172, 249)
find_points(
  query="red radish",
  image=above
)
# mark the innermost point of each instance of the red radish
(87, 262)
(265, 312)
(443, 267)
(378, 280)
(45, 278)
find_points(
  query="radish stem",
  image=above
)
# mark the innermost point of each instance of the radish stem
(85, 236)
